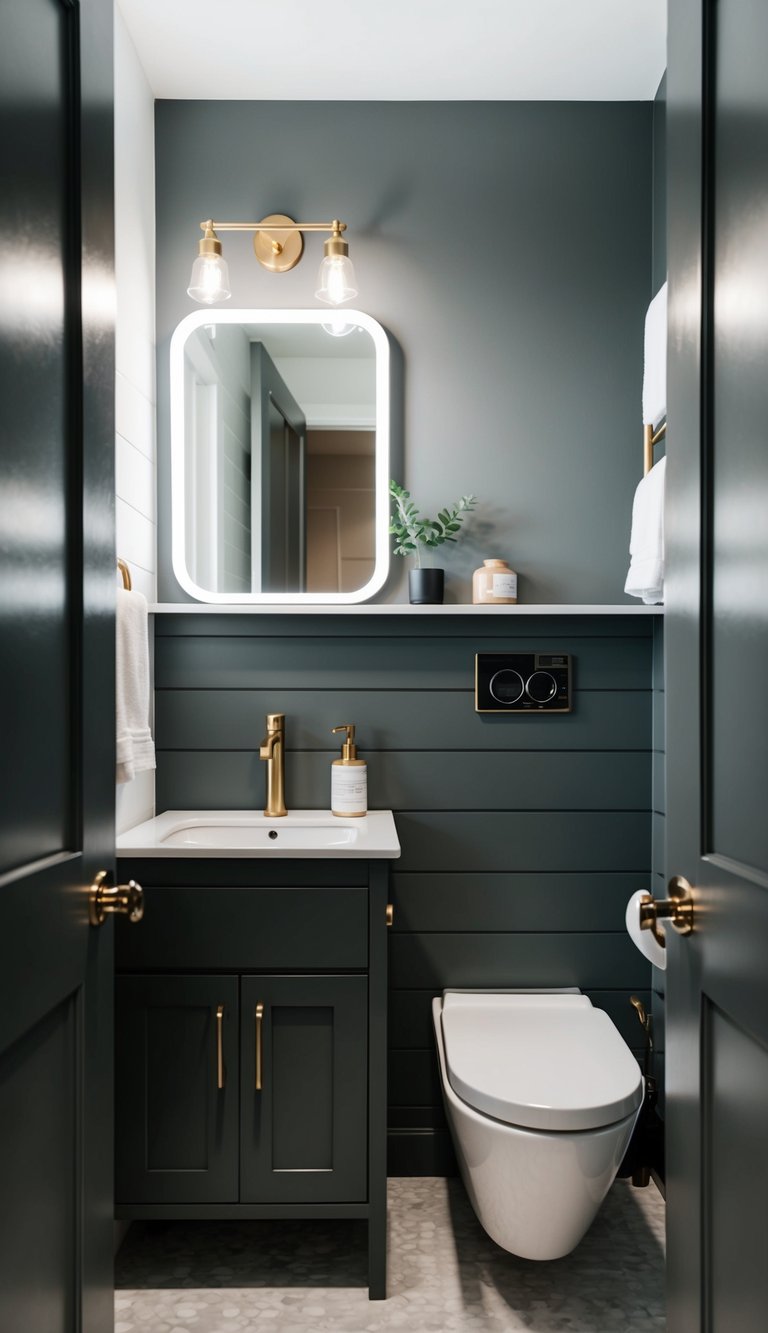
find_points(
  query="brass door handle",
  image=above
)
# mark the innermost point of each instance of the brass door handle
(259, 1016)
(220, 1046)
(106, 899)
(677, 909)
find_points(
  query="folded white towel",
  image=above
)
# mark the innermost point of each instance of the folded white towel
(655, 370)
(646, 547)
(135, 747)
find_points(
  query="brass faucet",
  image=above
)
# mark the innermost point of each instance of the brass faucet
(272, 749)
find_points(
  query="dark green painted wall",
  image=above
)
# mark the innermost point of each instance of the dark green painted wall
(522, 838)
(506, 248)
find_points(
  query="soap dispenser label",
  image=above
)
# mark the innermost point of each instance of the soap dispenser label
(349, 789)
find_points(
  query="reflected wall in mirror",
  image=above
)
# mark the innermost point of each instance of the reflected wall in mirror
(280, 456)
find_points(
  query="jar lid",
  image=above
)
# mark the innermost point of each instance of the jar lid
(495, 561)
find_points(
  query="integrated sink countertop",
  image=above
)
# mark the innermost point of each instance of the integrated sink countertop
(299, 834)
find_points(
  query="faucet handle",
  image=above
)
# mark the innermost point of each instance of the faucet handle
(275, 721)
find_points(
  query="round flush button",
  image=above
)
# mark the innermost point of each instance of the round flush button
(507, 686)
(541, 687)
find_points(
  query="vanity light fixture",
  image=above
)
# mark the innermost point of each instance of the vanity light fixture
(278, 244)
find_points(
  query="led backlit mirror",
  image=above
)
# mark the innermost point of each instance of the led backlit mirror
(280, 456)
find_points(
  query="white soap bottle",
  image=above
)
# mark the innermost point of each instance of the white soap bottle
(349, 778)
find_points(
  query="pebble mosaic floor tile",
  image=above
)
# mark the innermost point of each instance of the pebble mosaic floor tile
(445, 1274)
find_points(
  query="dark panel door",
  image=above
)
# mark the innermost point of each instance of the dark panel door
(304, 1072)
(176, 1090)
(278, 479)
(57, 578)
(717, 705)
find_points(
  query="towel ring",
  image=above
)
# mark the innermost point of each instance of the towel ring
(126, 573)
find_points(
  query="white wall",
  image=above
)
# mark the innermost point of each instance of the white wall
(135, 351)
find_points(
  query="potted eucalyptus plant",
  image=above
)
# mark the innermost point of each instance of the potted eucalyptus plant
(412, 532)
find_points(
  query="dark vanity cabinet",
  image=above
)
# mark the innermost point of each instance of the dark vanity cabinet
(251, 1043)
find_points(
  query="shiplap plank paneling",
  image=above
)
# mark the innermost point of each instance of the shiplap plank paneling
(605, 962)
(397, 720)
(522, 838)
(483, 633)
(458, 780)
(554, 841)
(229, 662)
(511, 901)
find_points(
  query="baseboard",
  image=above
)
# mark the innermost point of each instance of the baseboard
(420, 1152)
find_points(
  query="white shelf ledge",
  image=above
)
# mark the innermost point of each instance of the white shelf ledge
(404, 609)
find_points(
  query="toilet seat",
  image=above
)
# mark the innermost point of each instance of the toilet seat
(539, 1061)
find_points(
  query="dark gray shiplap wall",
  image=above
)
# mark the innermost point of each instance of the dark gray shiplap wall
(522, 838)
(506, 249)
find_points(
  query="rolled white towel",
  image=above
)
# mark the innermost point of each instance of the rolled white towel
(135, 747)
(655, 367)
(645, 578)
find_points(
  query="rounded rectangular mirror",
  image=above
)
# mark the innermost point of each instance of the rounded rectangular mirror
(280, 456)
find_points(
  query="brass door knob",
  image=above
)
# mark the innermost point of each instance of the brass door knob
(677, 909)
(106, 899)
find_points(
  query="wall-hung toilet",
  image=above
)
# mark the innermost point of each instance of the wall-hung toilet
(542, 1095)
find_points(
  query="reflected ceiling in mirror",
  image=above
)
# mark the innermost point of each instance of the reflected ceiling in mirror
(280, 456)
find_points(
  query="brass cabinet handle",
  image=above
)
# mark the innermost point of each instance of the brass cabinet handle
(259, 1025)
(220, 1046)
(677, 909)
(106, 899)
(390, 914)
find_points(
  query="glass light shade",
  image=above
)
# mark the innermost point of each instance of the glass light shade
(336, 280)
(337, 326)
(210, 279)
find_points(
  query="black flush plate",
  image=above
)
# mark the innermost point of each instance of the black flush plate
(522, 683)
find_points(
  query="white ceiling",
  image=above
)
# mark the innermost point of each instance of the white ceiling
(401, 50)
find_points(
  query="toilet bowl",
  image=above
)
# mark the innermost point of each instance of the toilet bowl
(542, 1095)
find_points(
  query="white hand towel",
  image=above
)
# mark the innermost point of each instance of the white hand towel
(646, 547)
(655, 369)
(135, 747)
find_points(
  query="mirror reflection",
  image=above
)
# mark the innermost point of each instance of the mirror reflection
(279, 448)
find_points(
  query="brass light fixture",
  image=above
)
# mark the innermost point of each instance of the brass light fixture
(278, 244)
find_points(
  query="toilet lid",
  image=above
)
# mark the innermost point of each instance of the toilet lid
(541, 1061)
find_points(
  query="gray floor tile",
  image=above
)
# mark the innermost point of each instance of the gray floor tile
(445, 1274)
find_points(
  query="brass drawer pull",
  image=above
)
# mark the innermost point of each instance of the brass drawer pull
(259, 1025)
(220, 1047)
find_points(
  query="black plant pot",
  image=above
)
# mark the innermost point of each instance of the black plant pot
(425, 586)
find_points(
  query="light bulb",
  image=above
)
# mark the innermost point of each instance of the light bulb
(336, 280)
(210, 279)
(210, 276)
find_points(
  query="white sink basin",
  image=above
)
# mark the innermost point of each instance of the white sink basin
(300, 833)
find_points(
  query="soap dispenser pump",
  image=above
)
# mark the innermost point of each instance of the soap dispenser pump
(349, 778)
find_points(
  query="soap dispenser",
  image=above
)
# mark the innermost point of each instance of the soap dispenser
(349, 778)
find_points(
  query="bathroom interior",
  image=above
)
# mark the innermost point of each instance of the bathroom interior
(401, 1063)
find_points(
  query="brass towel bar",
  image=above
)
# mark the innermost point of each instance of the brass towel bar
(651, 438)
(126, 573)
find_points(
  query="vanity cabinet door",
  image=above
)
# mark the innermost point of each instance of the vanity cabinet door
(176, 1089)
(304, 1130)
